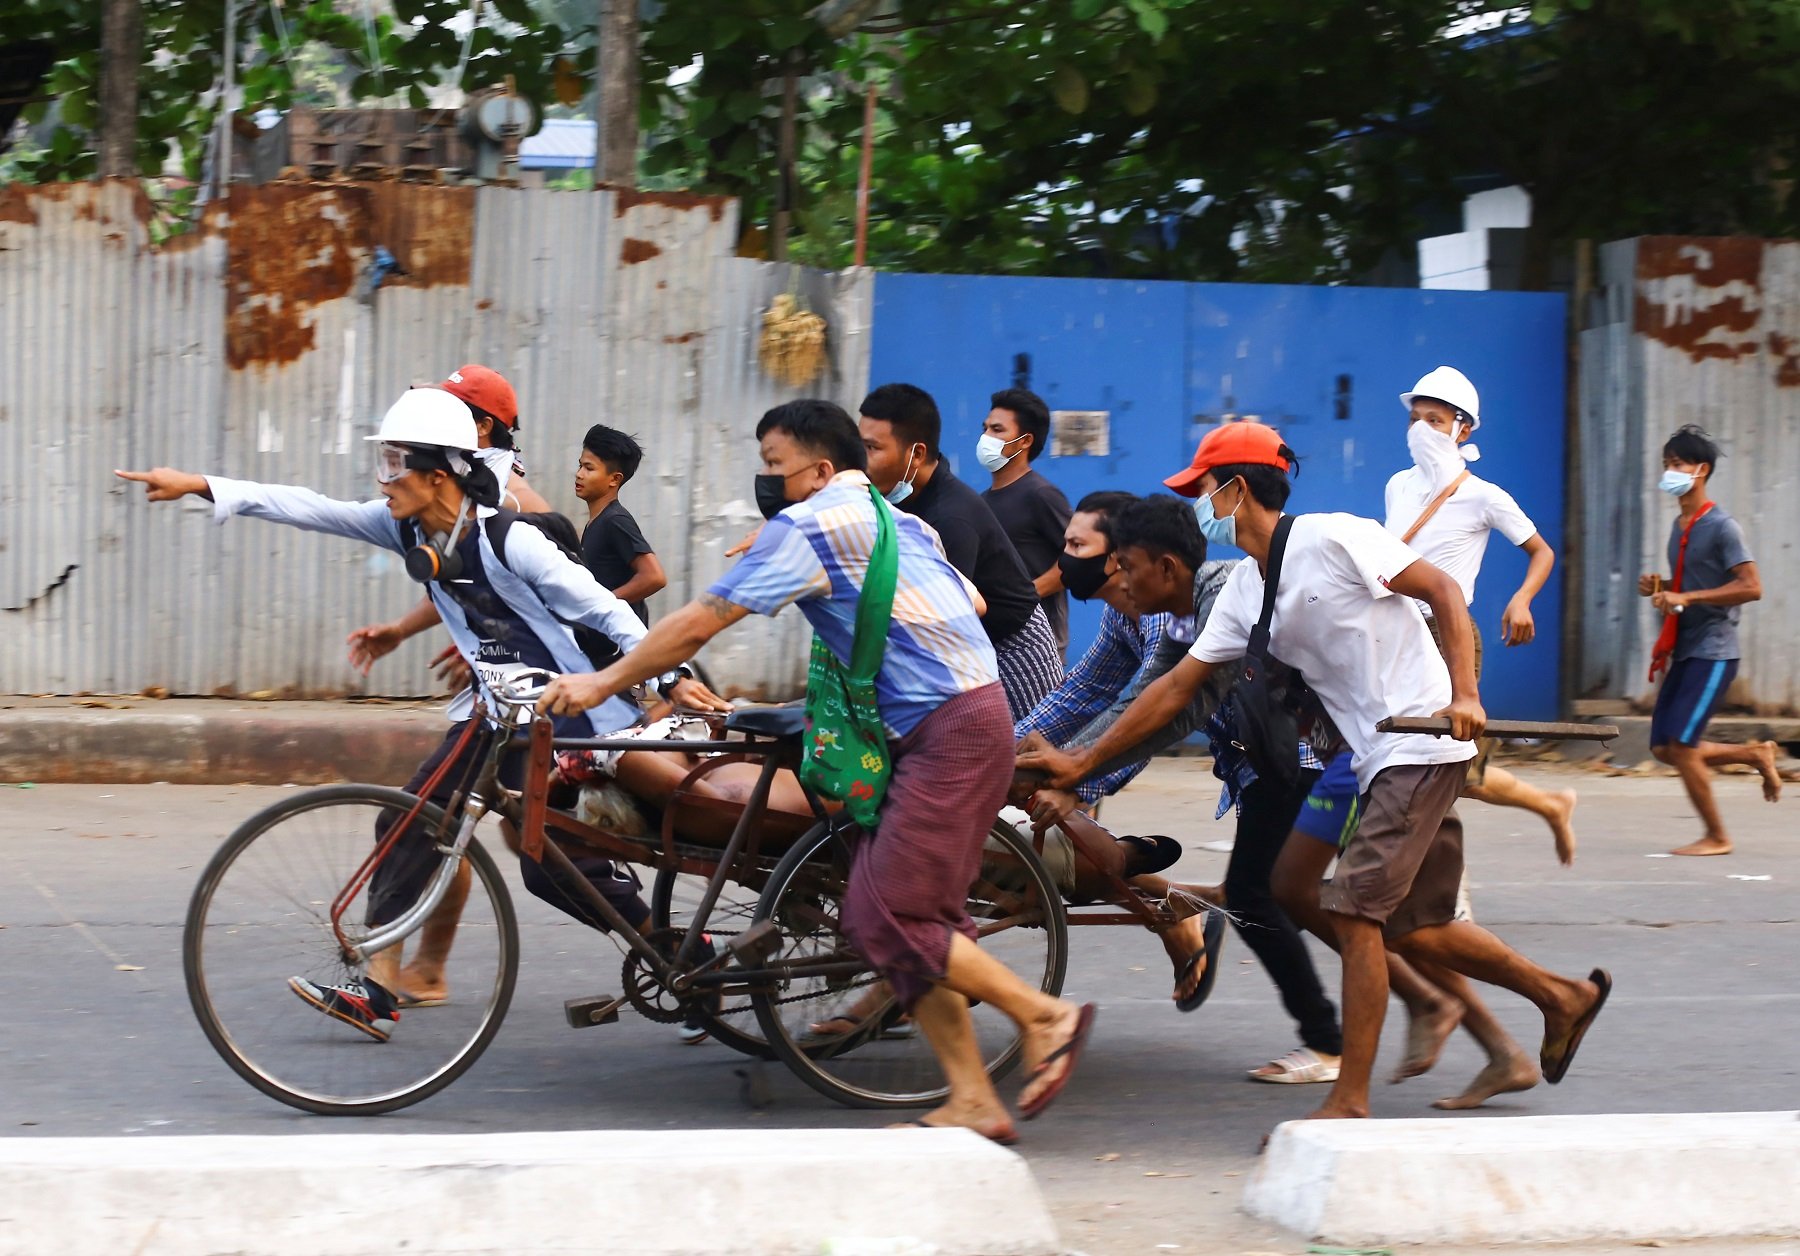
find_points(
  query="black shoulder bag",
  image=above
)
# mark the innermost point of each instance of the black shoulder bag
(1275, 706)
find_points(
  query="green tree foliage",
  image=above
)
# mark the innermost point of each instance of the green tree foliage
(1266, 139)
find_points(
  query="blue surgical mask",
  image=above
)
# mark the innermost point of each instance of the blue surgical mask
(1675, 483)
(1217, 531)
(904, 489)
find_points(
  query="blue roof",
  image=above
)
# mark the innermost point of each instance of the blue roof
(561, 144)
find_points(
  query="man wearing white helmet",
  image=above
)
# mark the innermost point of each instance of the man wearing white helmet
(504, 616)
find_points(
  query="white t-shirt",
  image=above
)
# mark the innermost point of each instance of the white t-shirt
(1456, 537)
(1365, 652)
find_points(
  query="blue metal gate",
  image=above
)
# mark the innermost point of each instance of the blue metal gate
(1166, 361)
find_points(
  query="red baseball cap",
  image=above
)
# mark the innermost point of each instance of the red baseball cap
(1231, 445)
(485, 389)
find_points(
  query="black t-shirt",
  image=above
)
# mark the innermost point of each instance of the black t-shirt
(609, 543)
(976, 545)
(1034, 513)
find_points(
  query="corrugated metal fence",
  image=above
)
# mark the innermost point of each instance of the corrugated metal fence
(256, 347)
(1681, 331)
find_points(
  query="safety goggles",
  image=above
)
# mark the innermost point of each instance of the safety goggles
(390, 462)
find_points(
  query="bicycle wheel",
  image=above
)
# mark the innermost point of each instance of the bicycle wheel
(674, 897)
(262, 913)
(884, 1062)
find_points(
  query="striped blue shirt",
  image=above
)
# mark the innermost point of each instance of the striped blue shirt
(816, 554)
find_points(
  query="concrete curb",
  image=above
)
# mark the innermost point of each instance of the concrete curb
(1533, 1179)
(718, 1192)
(269, 746)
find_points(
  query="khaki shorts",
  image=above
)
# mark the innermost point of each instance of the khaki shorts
(1058, 855)
(1404, 866)
(1484, 746)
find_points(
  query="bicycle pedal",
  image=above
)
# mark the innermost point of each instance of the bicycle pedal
(595, 1009)
(759, 942)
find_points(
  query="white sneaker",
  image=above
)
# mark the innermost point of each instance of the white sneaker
(1297, 1067)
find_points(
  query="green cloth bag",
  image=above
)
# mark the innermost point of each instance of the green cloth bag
(846, 751)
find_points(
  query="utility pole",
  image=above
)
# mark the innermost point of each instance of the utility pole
(616, 67)
(121, 52)
(222, 156)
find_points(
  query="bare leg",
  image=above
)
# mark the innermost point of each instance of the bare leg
(1503, 789)
(943, 1017)
(1508, 1069)
(1757, 754)
(1432, 1015)
(1365, 1007)
(1469, 949)
(1696, 778)
(423, 978)
(1046, 1022)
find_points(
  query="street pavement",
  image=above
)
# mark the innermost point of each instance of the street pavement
(1148, 1149)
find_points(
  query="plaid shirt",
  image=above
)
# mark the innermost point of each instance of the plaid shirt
(1122, 649)
(1232, 765)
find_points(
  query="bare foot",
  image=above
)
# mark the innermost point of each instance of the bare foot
(1211, 895)
(1042, 1037)
(1500, 1077)
(420, 985)
(1561, 827)
(1705, 846)
(1181, 942)
(1765, 765)
(1332, 1110)
(989, 1120)
(1426, 1033)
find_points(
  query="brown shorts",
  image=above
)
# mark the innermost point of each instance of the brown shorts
(1404, 865)
(1484, 746)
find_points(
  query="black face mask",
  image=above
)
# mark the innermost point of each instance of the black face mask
(1083, 577)
(771, 495)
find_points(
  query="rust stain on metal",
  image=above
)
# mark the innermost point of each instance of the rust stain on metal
(636, 251)
(1701, 296)
(16, 206)
(289, 248)
(429, 230)
(486, 303)
(1787, 360)
(631, 198)
(681, 339)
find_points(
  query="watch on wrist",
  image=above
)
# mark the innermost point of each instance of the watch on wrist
(668, 680)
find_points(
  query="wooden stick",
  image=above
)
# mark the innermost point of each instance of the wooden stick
(1502, 730)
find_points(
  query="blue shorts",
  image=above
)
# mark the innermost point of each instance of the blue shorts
(1689, 696)
(1331, 812)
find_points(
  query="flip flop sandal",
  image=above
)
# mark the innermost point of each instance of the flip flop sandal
(1149, 854)
(1212, 935)
(1556, 1065)
(403, 1000)
(1072, 1050)
(1005, 1137)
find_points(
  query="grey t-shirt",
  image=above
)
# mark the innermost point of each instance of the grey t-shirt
(1715, 546)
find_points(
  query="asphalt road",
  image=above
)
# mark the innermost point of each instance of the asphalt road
(1148, 1149)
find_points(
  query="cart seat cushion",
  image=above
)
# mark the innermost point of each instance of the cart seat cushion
(768, 721)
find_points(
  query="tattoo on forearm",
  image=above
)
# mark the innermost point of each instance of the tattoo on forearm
(724, 610)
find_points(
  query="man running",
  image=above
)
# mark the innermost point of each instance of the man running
(505, 617)
(1445, 513)
(1367, 654)
(901, 429)
(1714, 574)
(939, 695)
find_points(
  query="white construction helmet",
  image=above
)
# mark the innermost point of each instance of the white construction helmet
(428, 416)
(1450, 386)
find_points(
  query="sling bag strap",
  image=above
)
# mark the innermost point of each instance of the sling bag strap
(875, 605)
(1433, 507)
(1259, 635)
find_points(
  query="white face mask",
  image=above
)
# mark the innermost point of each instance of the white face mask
(990, 452)
(1437, 455)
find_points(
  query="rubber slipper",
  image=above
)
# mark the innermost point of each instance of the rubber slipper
(1556, 1064)
(1006, 1137)
(1071, 1049)
(1150, 854)
(403, 1000)
(1212, 935)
